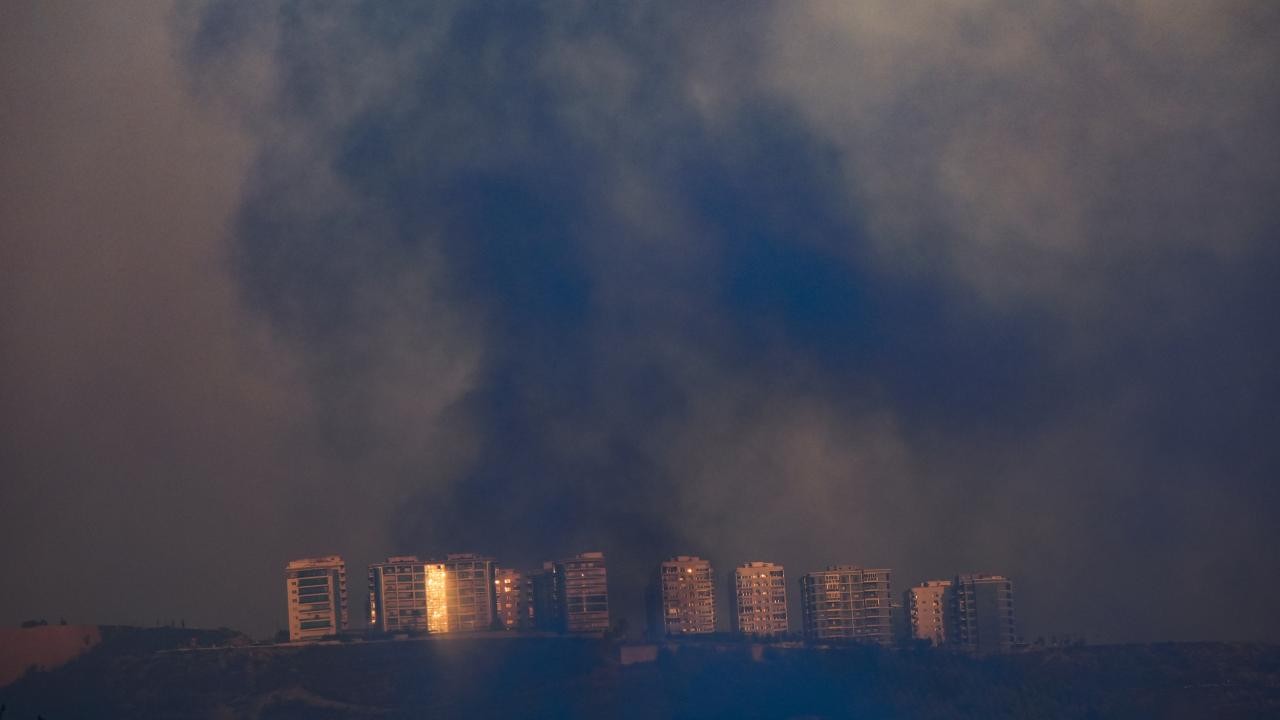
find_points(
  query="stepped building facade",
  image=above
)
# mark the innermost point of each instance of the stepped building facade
(316, 592)
(930, 610)
(973, 613)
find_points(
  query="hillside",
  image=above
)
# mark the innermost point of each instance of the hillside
(128, 677)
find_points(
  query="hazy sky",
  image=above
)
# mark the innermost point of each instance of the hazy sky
(940, 286)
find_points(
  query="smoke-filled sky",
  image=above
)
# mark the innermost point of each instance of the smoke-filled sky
(940, 286)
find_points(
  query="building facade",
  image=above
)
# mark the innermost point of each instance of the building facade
(316, 590)
(583, 593)
(513, 599)
(684, 598)
(930, 611)
(398, 595)
(759, 599)
(544, 588)
(460, 595)
(846, 602)
(984, 618)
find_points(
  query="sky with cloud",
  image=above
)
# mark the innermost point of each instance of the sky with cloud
(943, 287)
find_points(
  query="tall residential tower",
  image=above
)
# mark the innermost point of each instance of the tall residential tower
(398, 595)
(846, 602)
(760, 599)
(460, 595)
(683, 599)
(513, 599)
(545, 586)
(316, 591)
(984, 614)
(584, 593)
(930, 611)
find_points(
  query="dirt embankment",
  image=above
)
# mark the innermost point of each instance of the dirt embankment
(46, 647)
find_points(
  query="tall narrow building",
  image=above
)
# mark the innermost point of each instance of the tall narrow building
(760, 599)
(512, 599)
(316, 591)
(460, 595)
(545, 587)
(846, 602)
(684, 598)
(584, 593)
(398, 595)
(930, 611)
(984, 621)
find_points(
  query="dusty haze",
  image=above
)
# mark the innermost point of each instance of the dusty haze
(982, 286)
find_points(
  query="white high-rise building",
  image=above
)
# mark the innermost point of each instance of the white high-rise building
(398, 595)
(316, 590)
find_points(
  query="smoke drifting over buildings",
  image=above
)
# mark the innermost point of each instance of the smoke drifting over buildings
(932, 287)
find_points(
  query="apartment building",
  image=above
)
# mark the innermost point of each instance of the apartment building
(513, 599)
(545, 588)
(316, 592)
(683, 598)
(847, 602)
(460, 595)
(930, 611)
(759, 594)
(584, 593)
(984, 614)
(398, 595)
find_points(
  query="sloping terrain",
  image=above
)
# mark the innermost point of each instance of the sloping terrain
(44, 646)
(573, 678)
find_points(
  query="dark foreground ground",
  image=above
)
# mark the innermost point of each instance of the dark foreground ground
(130, 676)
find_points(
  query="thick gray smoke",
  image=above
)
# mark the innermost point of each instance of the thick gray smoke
(938, 286)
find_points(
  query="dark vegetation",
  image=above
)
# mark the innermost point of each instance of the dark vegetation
(139, 673)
